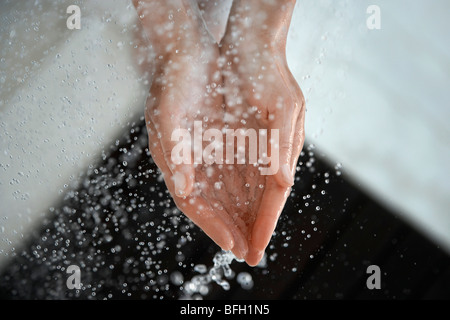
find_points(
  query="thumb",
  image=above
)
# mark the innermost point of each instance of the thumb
(285, 124)
(176, 148)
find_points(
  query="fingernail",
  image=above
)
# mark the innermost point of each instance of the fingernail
(287, 175)
(242, 253)
(180, 183)
(240, 248)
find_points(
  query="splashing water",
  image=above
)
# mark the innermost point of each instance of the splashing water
(219, 273)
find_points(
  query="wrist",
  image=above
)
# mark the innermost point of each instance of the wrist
(258, 24)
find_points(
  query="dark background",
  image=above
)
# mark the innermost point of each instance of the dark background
(119, 224)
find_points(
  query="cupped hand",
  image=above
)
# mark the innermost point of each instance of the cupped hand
(239, 86)
(183, 58)
(261, 93)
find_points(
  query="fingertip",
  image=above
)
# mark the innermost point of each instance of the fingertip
(286, 172)
(204, 218)
(240, 248)
(262, 231)
(284, 176)
(179, 181)
(183, 178)
(254, 257)
(226, 243)
(221, 235)
(240, 253)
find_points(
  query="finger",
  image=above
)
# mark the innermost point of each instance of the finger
(154, 146)
(299, 132)
(275, 196)
(272, 204)
(299, 138)
(199, 212)
(240, 248)
(254, 257)
(193, 207)
(173, 138)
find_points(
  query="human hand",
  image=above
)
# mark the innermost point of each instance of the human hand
(261, 92)
(235, 204)
(183, 57)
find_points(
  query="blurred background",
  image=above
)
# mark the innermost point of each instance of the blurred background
(77, 185)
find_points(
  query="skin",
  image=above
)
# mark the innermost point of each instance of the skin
(242, 82)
